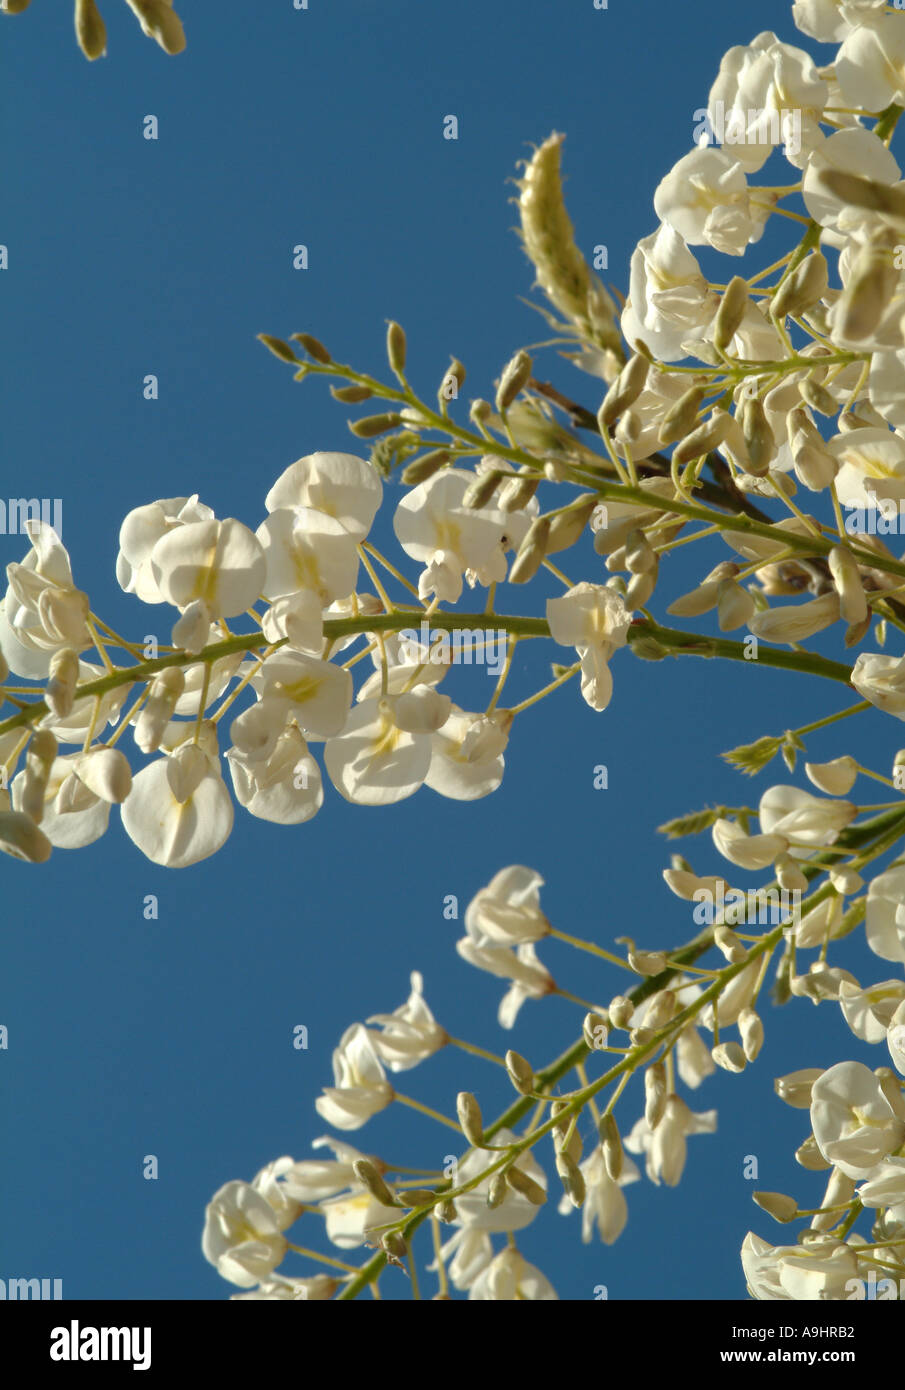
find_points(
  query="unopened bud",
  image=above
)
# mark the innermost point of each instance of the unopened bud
(611, 1145)
(279, 349)
(777, 1204)
(810, 1157)
(729, 1056)
(394, 1245)
(446, 1211)
(373, 425)
(566, 526)
(729, 315)
(681, 417)
(758, 434)
(520, 1073)
(106, 772)
(595, 1032)
(367, 1174)
(514, 376)
(531, 551)
(817, 397)
(654, 1094)
(647, 962)
(516, 493)
(396, 348)
(425, 467)
(572, 1179)
(708, 436)
(621, 1011)
(351, 395)
(61, 686)
(90, 29)
(867, 295)
(752, 1033)
(497, 1190)
(795, 1087)
(804, 287)
(522, 1183)
(470, 1119)
(725, 939)
(734, 605)
(452, 383)
(157, 711)
(479, 492)
(847, 581)
(640, 588)
(416, 1197)
(313, 346)
(624, 391)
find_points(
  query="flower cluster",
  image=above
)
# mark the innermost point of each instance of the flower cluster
(157, 18)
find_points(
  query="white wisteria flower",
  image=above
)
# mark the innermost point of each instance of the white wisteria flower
(820, 1270)
(342, 486)
(179, 811)
(507, 912)
(664, 1146)
(509, 1277)
(705, 198)
(242, 1235)
(467, 754)
(433, 527)
(884, 921)
(881, 679)
(604, 1206)
(595, 621)
(361, 1088)
(410, 1034)
(305, 549)
(856, 1121)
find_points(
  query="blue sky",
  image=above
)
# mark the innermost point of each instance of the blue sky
(129, 257)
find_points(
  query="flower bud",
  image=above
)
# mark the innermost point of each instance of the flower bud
(90, 29)
(520, 1073)
(611, 1145)
(480, 411)
(681, 417)
(572, 1179)
(516, 493)
(351, 395)
(647, 962)
(106, 772)
(817, 396)
(640, 587)
(315, 348)
(810, 1157)
(373, 425)
(752, 1033)
(624, 391)
(531, 552)
(452, 383)
(159, 21)
(621, 1011)
(866, 297)
(425, 467)
(4, 667)
(396, 348)
(469, 1113)
(725, 939)
(22, 838)
(706, 437)
(654, 1093)
(276, 345)
(639, 553)
(165, 690)
(729, 1056)
(514, 376)
(369, 1177)
(847, 581)
(446, 1211)
(758, 435)
(192, 629)
(567, 525)
(836, 778)
(479, 492)
(795, 1087)
(595, 1032)
(497, 1190)
(729, 315)
(522, 1183)
(61, 686)
(394, 1245)
(804, 287)
(777, 1204)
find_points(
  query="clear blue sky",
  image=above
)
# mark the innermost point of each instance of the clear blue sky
(129, 257)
